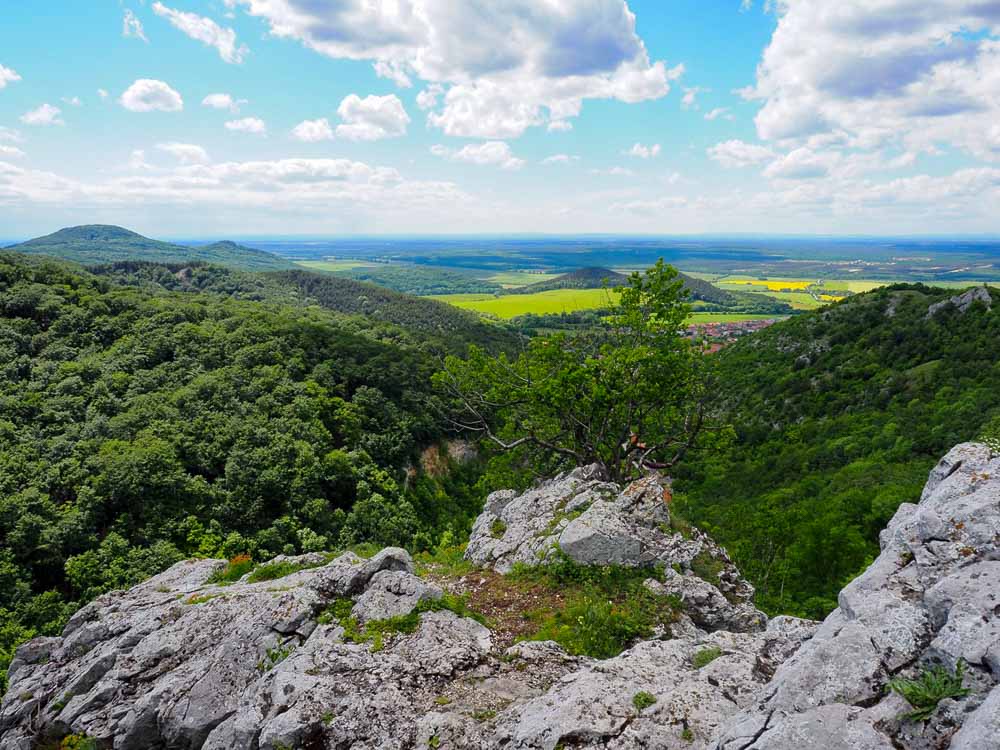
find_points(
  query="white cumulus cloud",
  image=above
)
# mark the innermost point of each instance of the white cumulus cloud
(253, 125)
(614, 172)
(8, 75)
(137, 160)
(736, 153)
(801, 164)
(223, 101)
(313, 131)
(103, 93)
(10, 151)
(372, 118)
(640, 151)
(719, 113)
(186, 153)
(913, 74)
(148, 95)
(503, 65)
(560, 159)
(46, 114)
(132, 27)
(206, 31)
(490, 153)
(428, 98)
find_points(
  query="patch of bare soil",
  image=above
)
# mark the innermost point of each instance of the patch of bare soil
(513, 608)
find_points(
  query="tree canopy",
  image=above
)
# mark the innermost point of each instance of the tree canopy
(630, 395)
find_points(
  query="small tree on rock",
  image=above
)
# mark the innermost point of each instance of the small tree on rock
(631, 396)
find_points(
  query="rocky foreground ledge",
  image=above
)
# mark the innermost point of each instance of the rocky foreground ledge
(309, 660)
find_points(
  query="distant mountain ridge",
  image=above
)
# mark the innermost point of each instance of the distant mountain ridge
(583, 278)
(104, 243)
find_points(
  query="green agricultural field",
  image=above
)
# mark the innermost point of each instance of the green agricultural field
(543, 303)
(513, 279)
(564, 300)
(333, 265)
(853, 285)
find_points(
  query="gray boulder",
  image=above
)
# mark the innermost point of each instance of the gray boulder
(594, 522)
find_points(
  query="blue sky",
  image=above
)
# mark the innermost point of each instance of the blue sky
(502, 116)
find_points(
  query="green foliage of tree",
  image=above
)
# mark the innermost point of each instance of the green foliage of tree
(630, 396)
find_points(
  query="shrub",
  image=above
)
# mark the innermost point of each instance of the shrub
(990, 433)
(78, 742)
(235, 569)
(591, 625)
(447, 559)
(706, 656)
(375, 631)
(607, 607)
(643, 700)
(930, 688)
(274, 656)
(498, 528)
(273, 571)
(707, 567)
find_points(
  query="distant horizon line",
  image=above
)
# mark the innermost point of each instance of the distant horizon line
(403, 236)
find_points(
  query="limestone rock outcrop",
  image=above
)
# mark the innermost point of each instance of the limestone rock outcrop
(182, 663)
(931, 598)
(963, 301)
(594, 522)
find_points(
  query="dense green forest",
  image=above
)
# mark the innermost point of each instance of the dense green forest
(451, 328)
(412, 279)
(139, 426)
(101, 243)
(839, 415)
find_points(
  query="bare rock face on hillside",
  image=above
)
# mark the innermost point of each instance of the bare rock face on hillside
(594, 522)
(964, 301)
(931, 598)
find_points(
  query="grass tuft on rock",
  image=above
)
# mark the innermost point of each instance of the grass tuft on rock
(932, 686)
(275, 570)
(607, 608)
(643, 700)
(706, 656)
(235, 569)
(376, 631)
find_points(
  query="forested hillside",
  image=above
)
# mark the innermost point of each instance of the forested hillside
(414, 279)
(839, 415)
(451, 328)
(139, 426)
(102, 243)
